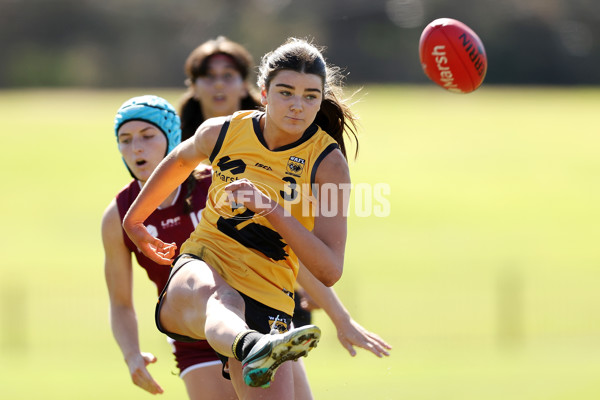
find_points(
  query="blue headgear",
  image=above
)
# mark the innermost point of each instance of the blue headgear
(155, 110)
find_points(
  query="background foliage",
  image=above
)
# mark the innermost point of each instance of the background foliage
(115, 43)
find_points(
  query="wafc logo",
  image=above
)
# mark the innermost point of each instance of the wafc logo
(295, 166)
(278, 323)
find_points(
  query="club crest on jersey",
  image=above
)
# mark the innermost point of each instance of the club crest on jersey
(295, 166)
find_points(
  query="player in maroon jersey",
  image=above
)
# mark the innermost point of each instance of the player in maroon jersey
(218, 84)
(147, 128)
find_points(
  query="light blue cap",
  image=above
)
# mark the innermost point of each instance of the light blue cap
(155, 110)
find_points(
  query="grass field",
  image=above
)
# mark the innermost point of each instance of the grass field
(484, 277)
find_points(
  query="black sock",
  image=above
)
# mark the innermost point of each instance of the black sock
(244, 342)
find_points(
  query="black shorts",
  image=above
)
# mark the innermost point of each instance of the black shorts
(258, 316)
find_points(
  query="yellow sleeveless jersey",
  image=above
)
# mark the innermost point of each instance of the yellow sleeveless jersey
(242, 245)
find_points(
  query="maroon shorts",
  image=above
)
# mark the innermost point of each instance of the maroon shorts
(190, 354)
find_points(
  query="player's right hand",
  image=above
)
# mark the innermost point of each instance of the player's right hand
(140, 375)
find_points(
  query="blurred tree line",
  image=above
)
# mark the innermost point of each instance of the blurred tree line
(112, 43)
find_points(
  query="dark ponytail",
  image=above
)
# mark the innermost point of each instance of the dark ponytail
(337, 119)
(190, 112)
(189, 185)
(199, 174)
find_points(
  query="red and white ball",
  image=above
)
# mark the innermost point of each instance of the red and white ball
(452, 55)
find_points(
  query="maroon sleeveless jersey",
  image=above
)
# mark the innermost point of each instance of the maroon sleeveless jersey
(171, 224)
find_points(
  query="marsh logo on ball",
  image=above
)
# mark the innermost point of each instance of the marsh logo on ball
(295, 166)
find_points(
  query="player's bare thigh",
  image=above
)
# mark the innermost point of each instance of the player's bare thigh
(184, 305)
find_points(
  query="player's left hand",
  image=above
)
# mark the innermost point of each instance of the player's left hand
(140, 375)
(352, 334)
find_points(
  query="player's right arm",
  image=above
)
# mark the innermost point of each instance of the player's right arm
(119, 281)
(350, 333)
(172, 171)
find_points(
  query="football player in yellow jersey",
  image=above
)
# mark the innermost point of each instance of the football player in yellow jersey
(302, 106)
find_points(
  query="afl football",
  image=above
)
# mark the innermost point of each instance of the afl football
(452, 55)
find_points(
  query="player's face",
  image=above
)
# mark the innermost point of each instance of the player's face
(142, 146)
(221, 91)
(292, 102)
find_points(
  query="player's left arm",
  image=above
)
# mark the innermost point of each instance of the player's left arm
(325, 258)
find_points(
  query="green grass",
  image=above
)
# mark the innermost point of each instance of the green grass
(484, 277)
